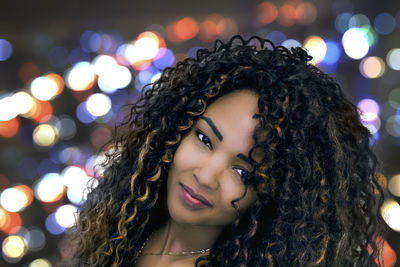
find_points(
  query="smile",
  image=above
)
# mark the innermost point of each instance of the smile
(193, 200)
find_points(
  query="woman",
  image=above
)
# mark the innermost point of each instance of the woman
(242, 156)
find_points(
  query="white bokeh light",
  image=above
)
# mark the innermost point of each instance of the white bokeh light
(13, 199)
(66, 215)
(50, 188)
(98, 104)
(80, 77)
(44, 88)
(355, 43)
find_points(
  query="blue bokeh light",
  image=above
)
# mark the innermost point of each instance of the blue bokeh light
(333, 52)
(276, 37)
(77, 55)
(166, 60)
(83, 114)
(90, 41)
(5, 49)
(384, 23)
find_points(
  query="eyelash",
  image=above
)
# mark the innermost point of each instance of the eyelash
(209, 145)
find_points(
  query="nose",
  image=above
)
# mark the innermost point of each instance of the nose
(208, 174)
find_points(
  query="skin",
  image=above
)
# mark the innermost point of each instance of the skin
(207, 161)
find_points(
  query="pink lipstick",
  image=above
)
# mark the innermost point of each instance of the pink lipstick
(192, 199)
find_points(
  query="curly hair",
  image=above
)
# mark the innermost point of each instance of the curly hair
(316, 183)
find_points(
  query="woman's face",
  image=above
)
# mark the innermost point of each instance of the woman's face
(210, 161)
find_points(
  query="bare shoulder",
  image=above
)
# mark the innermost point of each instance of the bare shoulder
(157, 262)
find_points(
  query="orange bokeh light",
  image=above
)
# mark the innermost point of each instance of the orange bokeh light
(42, 111)
(266, 13)
(58, 80)
(28, 71)
(306, 13)
(287, 15)
(27, 192)
(9, 129)
(11, 222)
(209, 27)
(186, 28)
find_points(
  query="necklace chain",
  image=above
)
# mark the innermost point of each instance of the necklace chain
(180, 253)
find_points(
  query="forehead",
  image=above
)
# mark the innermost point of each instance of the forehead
(233, 115)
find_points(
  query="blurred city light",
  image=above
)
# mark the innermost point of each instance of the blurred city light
(355, 43)
(316, 46)
(390, 211)
(6, 50)
(98, 104)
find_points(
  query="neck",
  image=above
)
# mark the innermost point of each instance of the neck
(176, 237)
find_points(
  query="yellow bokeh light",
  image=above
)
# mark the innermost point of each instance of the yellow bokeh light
(44, 88)
(14, 246)
(372, 67)
(50, 188)
(394, 185)
(317, 48)
(80, 77)
(45, 135)
(390, 212)
(40, 263)
(144, 48)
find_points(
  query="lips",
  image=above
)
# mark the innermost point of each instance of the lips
(196, 196)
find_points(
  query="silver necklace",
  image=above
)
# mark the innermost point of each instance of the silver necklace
(180, 253)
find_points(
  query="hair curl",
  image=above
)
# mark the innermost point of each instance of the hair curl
(315, 184)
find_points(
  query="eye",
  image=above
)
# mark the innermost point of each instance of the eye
(204, 139)
(241, 172)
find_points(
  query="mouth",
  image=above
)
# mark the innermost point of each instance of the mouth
(193, 199)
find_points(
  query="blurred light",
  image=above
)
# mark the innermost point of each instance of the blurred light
(41, 111)
(289, 43)
(393, 58)
(52, 226)
(186, 28)
(390, 211)
(342, 22)
(47, 166)
(144, 48)
(90, 41)
(44, 88)
(28, 71)
(98, 104)
(78, 55)
(316, 47)
(4, 183)
(209, 29)
(45, 135)
(36, 240)
(227, 27)
(8, 108)
(12, 199)
(27, 192)
(58, 57)
(10, 222)
(9, 128)
(50, 188)
(66, 215)
(5, 50)
(358, 20)
(355, 43)
(266, 13)
(70, 155)
(13, 246)
(59, 81)
(23, 101)
(393, 126)
(332, 53)
(66, 127)
(287, 14)
(384, 23)
(372, 67)
(394, 98)
(276, 37)
(306, 12)
(394, 185)
(370, 34)
(83, 114)
(80, 77)
(167, 60)
(369, 108)
(40, 263)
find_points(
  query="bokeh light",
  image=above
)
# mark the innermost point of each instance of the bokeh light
(289, 43)
(8, 108)
(358, 21)
(186, 28)
(80, 77)
(98, 104)
(45, 135)
(13, 246)
(44, 88)
(35, 238)
(393, 126)
(390, 211)
(394, 98)
(369, 109)
(316, 46)
(342, 21)
(355, 43)
(28, 71)
(5, 49)
(66, 215)
(333, 53)
(372, 67)
(9, 129)
(393, 58)
(306, 12)
(52, 226)
(266, 13)
(384, 23)
(41, 262)
(49, 188)
(287, 14)
(394, 185)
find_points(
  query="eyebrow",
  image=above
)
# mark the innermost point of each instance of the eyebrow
(245, 158)
(213, 127)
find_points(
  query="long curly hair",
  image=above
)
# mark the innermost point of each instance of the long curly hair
(317, 184)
